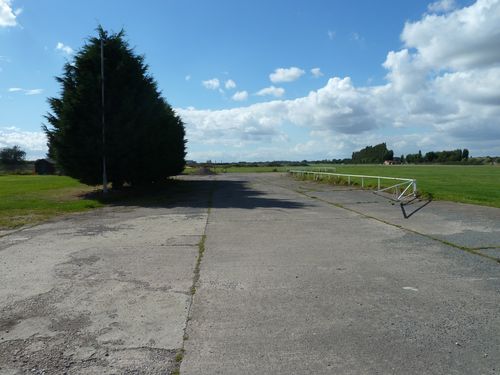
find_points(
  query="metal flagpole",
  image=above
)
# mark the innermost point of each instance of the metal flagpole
(104, 176)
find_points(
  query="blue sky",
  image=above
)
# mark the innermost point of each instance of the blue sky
(263, 80)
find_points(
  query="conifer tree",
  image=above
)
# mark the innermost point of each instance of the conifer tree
(144, 138)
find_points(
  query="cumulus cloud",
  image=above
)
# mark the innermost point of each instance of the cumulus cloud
(211, 84)
(272, 91)
(240, 96)
(34, 143)
(230, 84)
(316, 72)
(286, 74)
(230, 127)
(463, 39)
(336, 107)
(441, 91)
(67, 50)
(8, 16)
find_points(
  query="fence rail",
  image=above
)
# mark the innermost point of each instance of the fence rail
(405, 189)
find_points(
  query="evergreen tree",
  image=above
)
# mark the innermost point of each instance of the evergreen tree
(465, 154)
(144, 138)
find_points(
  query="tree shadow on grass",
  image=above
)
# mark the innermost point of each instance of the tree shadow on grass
(193, 193)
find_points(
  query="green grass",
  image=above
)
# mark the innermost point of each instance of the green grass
(29, 199)
(466, 184)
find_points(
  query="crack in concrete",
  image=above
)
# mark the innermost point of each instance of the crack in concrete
(196, 277)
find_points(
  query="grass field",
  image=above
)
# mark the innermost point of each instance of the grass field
(31, 199)
(466, 184)
(459, 183)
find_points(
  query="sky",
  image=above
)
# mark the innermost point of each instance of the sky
(276, 79)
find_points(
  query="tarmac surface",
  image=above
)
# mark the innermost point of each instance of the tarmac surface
(290, 277)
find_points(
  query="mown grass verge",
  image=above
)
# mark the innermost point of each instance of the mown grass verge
(29, 199)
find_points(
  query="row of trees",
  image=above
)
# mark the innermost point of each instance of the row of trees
(379, 153)
(454, 156)
(141, 138)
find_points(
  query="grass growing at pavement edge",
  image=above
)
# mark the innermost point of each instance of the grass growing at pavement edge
(29, 199)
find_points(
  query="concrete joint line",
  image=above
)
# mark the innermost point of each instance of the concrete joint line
(469, 250)
(196, 277)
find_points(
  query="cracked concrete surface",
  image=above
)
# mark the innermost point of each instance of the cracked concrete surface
(289, 284)
(295, 285)
(105, 292)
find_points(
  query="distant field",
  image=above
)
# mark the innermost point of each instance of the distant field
(30, 199)
(467, 184)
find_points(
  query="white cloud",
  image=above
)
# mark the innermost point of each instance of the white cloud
(240, 96)
(286, 74)
(34, 143)
(7, 14)
(64, 48)
(34, 91)
(442, 6)
(26, 91)
(316, 72)
(272, 91)
(230, 127)
(188, 77)
(463, 39)
(211, 84)
(230, 84)
(331, 34)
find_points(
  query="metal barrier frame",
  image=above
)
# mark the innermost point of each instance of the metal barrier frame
(407, 185)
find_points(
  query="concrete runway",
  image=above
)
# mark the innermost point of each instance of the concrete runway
(296, 278)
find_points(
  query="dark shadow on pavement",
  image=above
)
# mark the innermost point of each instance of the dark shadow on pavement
(194, 193)
(408, 215)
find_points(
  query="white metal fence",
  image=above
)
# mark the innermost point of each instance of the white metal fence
(403, 189)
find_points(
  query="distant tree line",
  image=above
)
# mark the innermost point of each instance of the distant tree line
(379, 153)
(439, 157)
